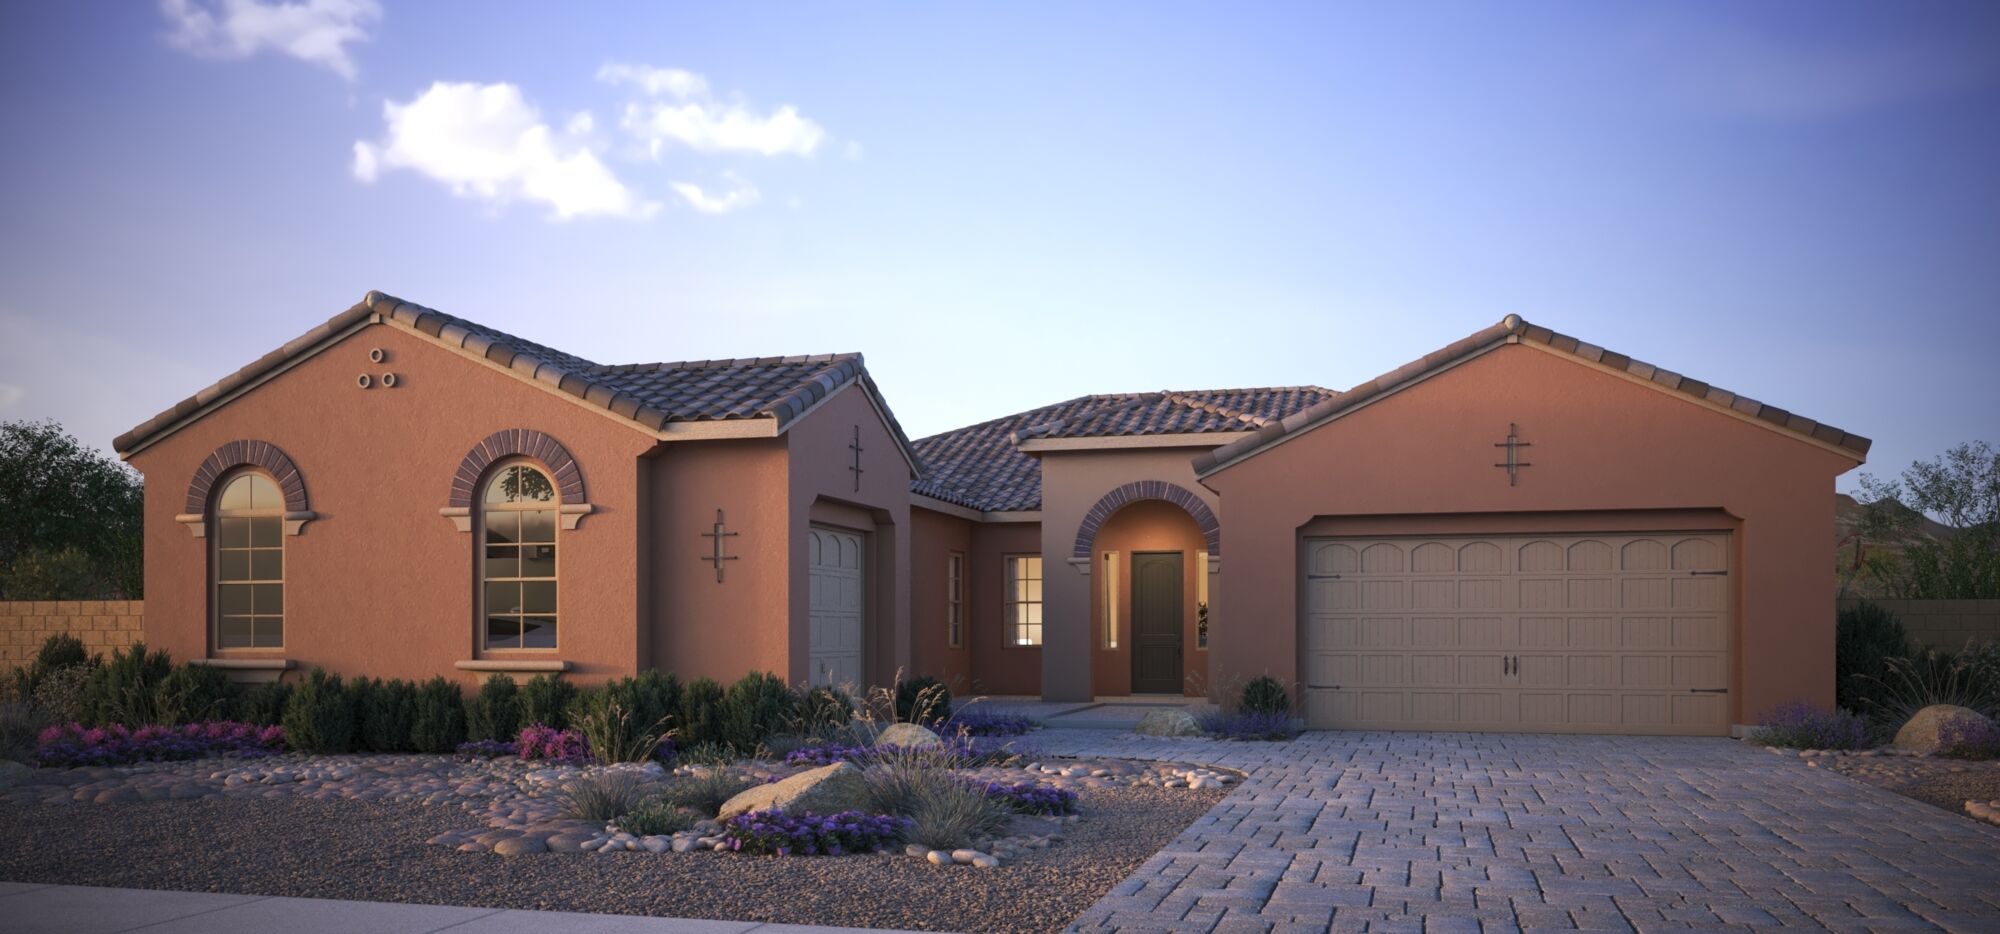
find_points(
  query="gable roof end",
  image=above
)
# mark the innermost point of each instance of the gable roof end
(1514, 329)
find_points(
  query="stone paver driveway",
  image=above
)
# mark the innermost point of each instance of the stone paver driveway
(1470, 832)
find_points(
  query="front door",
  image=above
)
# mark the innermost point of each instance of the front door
(1156, 623)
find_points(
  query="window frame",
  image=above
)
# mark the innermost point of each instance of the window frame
(1011, 601)
(481, 618)
(1109, 638)
(954, 599)
(1201, 608)
(217, 514)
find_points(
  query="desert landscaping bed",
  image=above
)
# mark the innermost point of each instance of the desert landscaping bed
(1954, 785)
(302, 826)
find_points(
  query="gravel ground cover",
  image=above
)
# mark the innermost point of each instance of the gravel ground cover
(375, 850)
(1951, 784)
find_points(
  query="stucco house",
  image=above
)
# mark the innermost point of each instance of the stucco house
(1520, 531)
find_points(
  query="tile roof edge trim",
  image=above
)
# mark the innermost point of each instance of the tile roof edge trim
(1184, 439)
(873, 394)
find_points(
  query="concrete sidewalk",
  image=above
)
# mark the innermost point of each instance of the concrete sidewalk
(29, 908)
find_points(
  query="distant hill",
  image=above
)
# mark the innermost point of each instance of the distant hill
(1848, 515)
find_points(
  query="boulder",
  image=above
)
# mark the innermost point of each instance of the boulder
(1925, 731)
(827, 790)
(12, 773)
(907, 735)
(1168, 721)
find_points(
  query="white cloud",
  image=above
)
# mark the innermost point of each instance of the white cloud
(486, 141)
(741, 194)
(10, 394)
(680, 110)
(315, 31)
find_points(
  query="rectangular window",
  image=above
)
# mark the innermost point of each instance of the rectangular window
(1024, 600)
(1201, 599)
(520, 592)
(250, 582)
(954, 612)
(1111, 599)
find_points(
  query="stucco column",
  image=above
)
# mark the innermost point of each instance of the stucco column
(1065, 617)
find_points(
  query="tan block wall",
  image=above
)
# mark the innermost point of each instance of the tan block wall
(103, 625)
(1944, 624)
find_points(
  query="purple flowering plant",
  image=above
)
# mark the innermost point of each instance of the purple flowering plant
(484, 749)
(70, 745)
(538, 742)
(1030, 797)
(777, 833)
(957, 751)
(1969, 739)
(1800, 725)
(1249, 725)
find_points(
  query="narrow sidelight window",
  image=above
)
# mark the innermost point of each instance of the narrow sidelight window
(1201, 600)
(1111, 599)
(1024, 600)
(955, 600)
(518, 567)
(250, 564)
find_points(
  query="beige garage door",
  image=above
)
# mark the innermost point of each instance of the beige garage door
(839, 605)
(1576, 634)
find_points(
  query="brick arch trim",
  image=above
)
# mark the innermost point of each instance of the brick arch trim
(260, 454)
(517, 442)
(1086, 533)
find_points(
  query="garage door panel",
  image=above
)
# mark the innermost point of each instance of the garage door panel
(1594, 633)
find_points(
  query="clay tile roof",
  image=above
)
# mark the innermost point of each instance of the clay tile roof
(1514, 328)
(981, 466)
(649, 394)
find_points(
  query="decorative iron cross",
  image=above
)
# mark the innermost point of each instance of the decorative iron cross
(1513, 444)
(855, 446)
(718, 557)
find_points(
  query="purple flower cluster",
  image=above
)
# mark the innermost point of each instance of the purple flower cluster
(71, 744)
(959, 750)
(1970, 739)
(1248, 724)
(1800, 725)
(976, 722)
(550, 744)
(484, 749)
(781, 834)
(829, 753)
(1030, 797)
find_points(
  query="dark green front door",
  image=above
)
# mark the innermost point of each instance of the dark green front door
(1156, 623)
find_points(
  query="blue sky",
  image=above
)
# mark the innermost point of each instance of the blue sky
(1007, 205)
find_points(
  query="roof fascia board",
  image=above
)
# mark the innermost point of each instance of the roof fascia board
(1197, 439)
(261, 378)
(1014, 515)
(934, 504)
(761, 426)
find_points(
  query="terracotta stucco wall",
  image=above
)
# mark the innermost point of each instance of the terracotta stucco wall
(101, 625)
(699, 626)
(934, 537)
(1073, 482)
(1155, 526)
(999, 668)
(1602, 443)
(380, 583)
(821, 474)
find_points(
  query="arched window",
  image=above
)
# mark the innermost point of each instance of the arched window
(249, 565)
(518, 570)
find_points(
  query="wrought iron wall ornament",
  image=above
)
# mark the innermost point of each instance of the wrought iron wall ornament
(855, 446)
(719, 554)
(1513, 444)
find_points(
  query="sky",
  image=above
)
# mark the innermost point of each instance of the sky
(1006, 205)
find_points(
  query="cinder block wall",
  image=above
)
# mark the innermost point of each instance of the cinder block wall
(1944, 624)
(103, 625)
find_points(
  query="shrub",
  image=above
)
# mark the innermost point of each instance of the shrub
(122, 689)
(1933, 677)
(781, 834)
(437, 719)
(946, 812)
(973, 721)
(655, 817)
(705, 754)
(1865, 638)
(21, 726)
(603, 796)
(1962, 739)
(613, 735)
(263, 704)
(1266, 694)
(704, 792)
(484, 749)
(72, 745)
(495, 712)
(545, 700)
(700, 717)
(1249, 725)
(538, 742)
(58, 652)
(320, 717)
(384, 711)
(824, 712)
(1030, 797)
(193, 693)
(1800, 725)
(63, 694)
(756, 707)
(923, 699)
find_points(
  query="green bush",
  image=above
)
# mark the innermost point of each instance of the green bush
(194, 693)
(704, 792)
(825, 713)
(655, 818)
(1865, 638)
(603, 796)
(923, 699)
(122, 689)
(59, 651)
(263, 704)
(437, 720)
(495, 712)
(21, 724)
(756, 707)
(1266, 694)
(613, 734)
(545, 699)
(382, 714)
(63, 696)
(701, 717)
(319, 717)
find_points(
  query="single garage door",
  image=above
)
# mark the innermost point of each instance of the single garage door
(1575, 634)
(839, 605)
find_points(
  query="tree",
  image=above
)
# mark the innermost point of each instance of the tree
(60, 499)
(1961, 490)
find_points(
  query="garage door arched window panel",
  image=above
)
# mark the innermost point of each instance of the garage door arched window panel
(249, 563)
(517, 535)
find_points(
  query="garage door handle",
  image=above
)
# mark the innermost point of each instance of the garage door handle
(1708, 690)
(1708, 573)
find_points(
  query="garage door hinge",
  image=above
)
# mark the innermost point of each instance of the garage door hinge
(1708, 573)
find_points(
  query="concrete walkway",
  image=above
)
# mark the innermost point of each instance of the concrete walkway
(1498, 832)
(1104, 713)
(26, 908)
